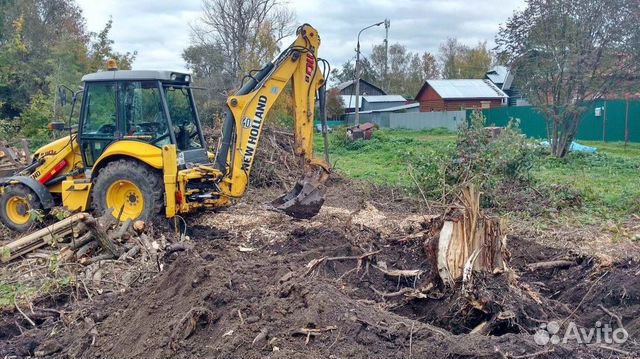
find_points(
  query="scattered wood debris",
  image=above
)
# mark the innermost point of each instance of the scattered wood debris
(94, 255)
(86, 239)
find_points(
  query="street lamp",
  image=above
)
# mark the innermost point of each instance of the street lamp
(357, 117)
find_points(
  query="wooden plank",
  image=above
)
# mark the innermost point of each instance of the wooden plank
(39, 238)
(35, 245)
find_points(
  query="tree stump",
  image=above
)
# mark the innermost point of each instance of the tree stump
(471, 242)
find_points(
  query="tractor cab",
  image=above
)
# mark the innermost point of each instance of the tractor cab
(154, 107)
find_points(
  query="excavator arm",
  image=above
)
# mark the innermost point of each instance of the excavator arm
(246, 113)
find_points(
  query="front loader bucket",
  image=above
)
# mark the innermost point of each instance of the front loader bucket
(304, 200)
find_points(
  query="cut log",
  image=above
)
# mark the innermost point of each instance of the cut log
(39, 238)
(138, 226)
(102, 236)
(124, 227)
(82, 240)
(84, 250)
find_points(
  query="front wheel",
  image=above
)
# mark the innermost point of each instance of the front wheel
(18, 207)
(128, 190)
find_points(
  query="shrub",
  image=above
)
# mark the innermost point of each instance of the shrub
(499, 165)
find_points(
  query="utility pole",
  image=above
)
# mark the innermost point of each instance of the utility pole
(387, 24)
(357, 114)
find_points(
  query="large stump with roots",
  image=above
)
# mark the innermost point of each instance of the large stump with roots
(470, 242)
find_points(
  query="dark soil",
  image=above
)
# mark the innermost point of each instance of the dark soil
(219, 302)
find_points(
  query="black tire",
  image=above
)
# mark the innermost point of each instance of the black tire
(31, 203)
(148, 180)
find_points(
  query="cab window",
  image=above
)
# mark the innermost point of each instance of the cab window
(100, 110)
(183, 118)
(100, 126)
(142, 114)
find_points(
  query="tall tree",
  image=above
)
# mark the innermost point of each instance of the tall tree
(43, 43)
(565, 53)
(101, 50)
(232, 38)
(460, 61)
(430, 68)
(450, 54)
(348, 73)
(247, 31)
(407, 70)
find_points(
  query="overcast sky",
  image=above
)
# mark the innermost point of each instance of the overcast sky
(159, 29)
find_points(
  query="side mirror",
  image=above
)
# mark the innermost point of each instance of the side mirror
(62, 95)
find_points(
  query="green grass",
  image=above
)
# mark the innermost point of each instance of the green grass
(385, 158)
(608, 181)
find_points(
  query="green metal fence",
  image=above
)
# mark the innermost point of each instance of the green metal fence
(616, 116)
(330, 123)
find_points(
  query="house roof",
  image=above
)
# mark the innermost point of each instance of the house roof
(384, 98)
(344, 85)
(394, 108)
(501, 76)
(464, 89)
(349, 101)
(397, 108)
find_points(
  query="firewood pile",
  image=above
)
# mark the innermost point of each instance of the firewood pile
(96, 254)
(13, 159)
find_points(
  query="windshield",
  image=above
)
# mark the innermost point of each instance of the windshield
(183, 117)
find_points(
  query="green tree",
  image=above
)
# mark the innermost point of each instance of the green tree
(101, 50)
(348, 73)
(335, 105)
(459, 61)
(565, 53)
(43, 43)
(406, 70)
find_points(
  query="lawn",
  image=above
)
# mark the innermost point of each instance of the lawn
(385, 158)
(607, 181)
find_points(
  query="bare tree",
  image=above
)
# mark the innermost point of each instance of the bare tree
(566, 53)
(231, 38)
(407, 70)
(247, 31)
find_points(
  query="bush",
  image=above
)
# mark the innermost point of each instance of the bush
(32, 123)
(499, 165)
(489, 160)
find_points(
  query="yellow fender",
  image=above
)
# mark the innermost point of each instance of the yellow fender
(140, 151)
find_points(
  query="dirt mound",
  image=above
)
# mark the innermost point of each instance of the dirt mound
(327, 288)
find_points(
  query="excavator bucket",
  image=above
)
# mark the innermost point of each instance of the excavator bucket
(304, 200)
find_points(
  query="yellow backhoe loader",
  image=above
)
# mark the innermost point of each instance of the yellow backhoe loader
(139, 149)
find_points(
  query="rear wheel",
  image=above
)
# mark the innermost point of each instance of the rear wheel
(129, 187)
(17, 205)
